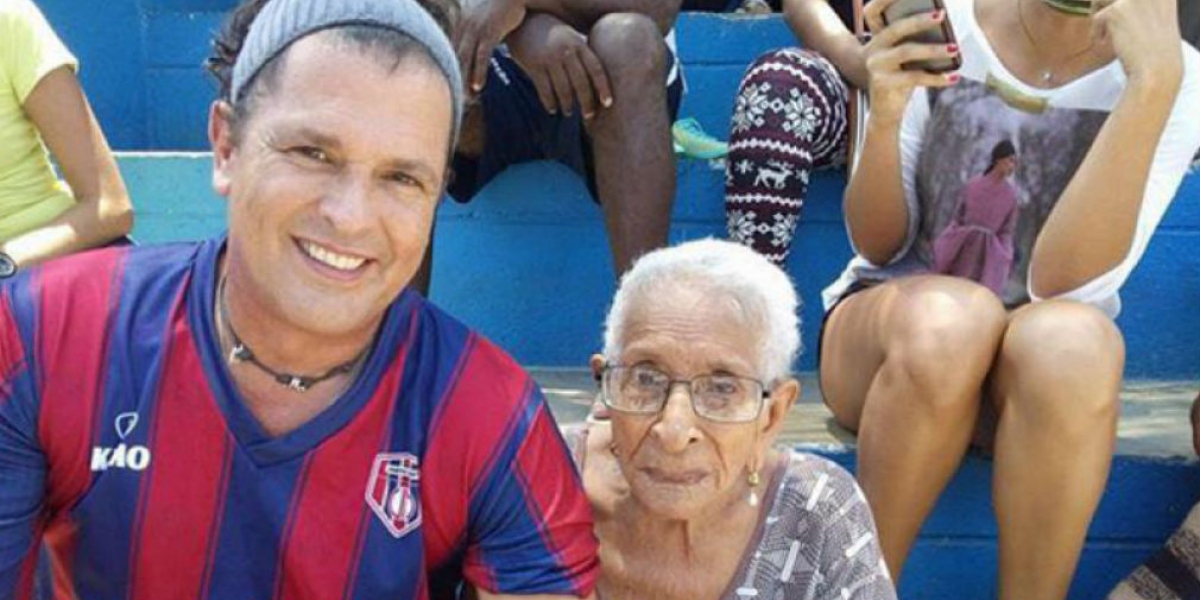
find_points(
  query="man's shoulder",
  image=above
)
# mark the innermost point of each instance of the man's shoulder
(93, 286)
(455, 337)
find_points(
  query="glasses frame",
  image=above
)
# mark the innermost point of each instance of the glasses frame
(763, 397)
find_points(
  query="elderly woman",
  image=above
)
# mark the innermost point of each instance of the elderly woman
(690, 498)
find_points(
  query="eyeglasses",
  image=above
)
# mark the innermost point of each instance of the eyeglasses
(643, 390)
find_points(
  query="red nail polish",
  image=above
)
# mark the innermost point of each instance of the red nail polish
(953, 77)
(937, 15)
(952, 48)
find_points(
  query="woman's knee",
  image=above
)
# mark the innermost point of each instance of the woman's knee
(941, 325)
(940, 336)
(1062, 349)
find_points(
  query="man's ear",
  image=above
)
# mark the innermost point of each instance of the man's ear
(783, 397)
(220, 136)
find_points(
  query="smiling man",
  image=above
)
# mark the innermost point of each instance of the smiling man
(271, 414)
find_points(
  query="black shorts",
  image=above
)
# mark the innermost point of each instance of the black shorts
(519, 130)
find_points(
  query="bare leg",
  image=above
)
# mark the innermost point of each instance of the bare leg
(1056, 386)
(631, 140)
(904, 364)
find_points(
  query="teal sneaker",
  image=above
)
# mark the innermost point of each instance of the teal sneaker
(691, 141)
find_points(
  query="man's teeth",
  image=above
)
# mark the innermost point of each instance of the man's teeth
(331, 258)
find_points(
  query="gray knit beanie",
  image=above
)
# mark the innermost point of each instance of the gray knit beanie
(282, 22)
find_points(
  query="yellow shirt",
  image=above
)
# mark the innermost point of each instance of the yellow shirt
(30, 193)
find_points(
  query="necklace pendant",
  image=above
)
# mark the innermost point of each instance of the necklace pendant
(297, 384)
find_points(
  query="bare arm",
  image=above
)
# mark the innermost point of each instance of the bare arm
(582, 14)
(876, 213)
(102, 210)
(818, 26)
(1092, 227)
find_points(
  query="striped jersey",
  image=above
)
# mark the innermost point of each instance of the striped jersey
(127, 452)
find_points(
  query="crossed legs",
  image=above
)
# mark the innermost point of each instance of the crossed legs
(906, 364)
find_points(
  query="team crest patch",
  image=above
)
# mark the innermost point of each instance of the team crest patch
(393, 492)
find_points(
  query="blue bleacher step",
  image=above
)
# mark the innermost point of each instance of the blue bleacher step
(1153, 483)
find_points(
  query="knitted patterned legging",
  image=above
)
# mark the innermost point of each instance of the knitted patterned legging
(790, 118)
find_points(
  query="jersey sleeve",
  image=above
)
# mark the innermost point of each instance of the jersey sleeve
(22, 463)
(531, 525)
(1175, 151)
(29, 48)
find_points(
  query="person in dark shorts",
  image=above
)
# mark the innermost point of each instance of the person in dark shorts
(592, 86)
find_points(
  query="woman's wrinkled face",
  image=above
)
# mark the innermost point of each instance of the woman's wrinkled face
(678, 464)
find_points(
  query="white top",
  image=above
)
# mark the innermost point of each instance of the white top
(947, 137)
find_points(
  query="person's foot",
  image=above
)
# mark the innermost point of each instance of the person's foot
(692, 142)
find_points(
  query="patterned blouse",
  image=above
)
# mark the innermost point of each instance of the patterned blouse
(816, 539)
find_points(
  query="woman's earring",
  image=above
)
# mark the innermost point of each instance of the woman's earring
(753, 480)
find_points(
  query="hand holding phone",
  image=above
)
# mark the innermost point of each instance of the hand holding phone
(941, 36)
(898, 61)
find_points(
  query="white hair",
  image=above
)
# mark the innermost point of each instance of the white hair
(725, 271)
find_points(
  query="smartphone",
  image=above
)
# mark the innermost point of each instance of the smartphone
(942, 36)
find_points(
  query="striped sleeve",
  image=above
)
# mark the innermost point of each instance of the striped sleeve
(526, 525)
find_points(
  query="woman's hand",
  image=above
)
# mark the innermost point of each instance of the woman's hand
(1144, 34)
(890, 84)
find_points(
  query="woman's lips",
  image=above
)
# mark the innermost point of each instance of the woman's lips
(675, 476)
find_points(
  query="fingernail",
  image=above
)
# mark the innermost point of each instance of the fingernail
(607, 102)
(953, 77)
(952, 48)
(476, 87)
(937, 15)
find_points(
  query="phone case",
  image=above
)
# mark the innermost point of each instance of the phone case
(941, 36)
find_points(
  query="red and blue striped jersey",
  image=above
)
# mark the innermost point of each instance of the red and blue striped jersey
(126, 450)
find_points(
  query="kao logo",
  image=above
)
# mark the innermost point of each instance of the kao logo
(134, 458)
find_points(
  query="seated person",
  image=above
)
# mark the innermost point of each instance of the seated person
(591, 85)
(691, 499)
(1172, 572)
(790, 118)
(43, 107)
(269, 414)
(1100, 104)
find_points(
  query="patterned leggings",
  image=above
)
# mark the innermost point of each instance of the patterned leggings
(790, 119)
